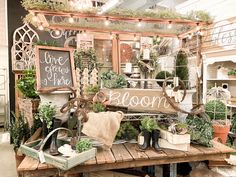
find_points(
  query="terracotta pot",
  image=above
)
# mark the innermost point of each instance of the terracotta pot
(221, 132)
(232, 76)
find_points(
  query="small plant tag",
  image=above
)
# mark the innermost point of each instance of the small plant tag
(41, 157)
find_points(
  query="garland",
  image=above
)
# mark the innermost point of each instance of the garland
(165, 14)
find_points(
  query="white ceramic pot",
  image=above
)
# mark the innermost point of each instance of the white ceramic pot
(57, 98)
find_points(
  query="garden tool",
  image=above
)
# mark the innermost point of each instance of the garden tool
(53, 146)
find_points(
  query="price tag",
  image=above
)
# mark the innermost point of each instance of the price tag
(41, 157)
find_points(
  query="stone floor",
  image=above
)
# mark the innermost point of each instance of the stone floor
(7, 159)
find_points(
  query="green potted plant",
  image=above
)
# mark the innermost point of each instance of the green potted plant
(181, 67)
(127, 132)
(83, 145)
(26, 86)
(232, 73)
(217, 111)
(162, 75)
(46, 113)
(149, 130)
(91, 90)
(98, 107)
(111, 79)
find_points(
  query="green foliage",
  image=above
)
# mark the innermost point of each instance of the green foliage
(26, 84)
(113, 80)
(81, 55)
(83, 145)
(200, 16)
(47, 43)
(153, 61)
(19, 130)
(98, 107)
(92, 89)
(46, 112)
(148, 124)
(216, 109)
(233, 124)
(127, 131)
(201, 130)
(162, 75)
(182, 67)
(232, 72)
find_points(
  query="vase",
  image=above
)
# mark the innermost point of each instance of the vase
(221, 132)
(57, 98)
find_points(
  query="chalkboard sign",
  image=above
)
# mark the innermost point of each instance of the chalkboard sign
(54, 68)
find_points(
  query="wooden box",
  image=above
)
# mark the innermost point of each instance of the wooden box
(165, 144)
(28, 107)
(61, 162)
(175, 138)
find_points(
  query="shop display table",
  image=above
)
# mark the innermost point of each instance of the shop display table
(128, 156)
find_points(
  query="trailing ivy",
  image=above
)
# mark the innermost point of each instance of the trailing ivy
(201, 130)
(47, 43)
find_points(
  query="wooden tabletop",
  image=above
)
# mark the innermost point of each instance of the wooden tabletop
(128, 156)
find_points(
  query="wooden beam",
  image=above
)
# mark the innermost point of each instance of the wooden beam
(119, 18)
(56, 27)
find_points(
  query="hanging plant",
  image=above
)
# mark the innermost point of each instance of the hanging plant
(152, 63)
(86, 59)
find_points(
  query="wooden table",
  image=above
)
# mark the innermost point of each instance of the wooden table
(128, 156)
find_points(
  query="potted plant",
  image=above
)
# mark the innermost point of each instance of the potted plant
(29, 104)
(162, 75)
(46, 113)
(19, 132)
(217, 111)
(98, 107)
(83, 145)
(232, 73)
(181, 67)
(91, 90)
(127, 132)
(111, 79)
(149, 130)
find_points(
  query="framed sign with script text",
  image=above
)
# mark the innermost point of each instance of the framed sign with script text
(54, 68)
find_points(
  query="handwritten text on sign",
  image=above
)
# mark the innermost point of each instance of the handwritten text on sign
(139, 100)
(55, 68)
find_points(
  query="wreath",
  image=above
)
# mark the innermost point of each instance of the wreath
(86, 59)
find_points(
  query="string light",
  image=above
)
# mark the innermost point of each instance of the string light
(40, 27)
(71, 19)
(111, 36)
(190, 36)
(57, 32)
(135, 37)
(71, 2)
(169, 25)
(139, 23)
(198, 27)
(107, 22)
(35, 18)
(84, 33)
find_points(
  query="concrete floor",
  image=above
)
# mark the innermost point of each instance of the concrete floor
(7, 159)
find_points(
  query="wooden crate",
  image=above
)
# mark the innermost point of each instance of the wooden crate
(174, 138)
(28, 107)
(181, 147)
(61, 162)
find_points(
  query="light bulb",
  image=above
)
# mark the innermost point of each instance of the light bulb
(107, 22)
(41, 28)
(71, 2)
(139, 23)
(169, 25)
(190, 36)
(71, 19)
(198, 27)
(135, 37)
(111, 36)
(57, 32)
(84, 33)
(35, 18)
